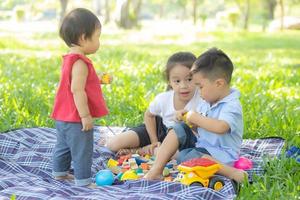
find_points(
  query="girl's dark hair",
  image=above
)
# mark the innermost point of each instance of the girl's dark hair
(214, 63)
(180, 58)
(76, 23)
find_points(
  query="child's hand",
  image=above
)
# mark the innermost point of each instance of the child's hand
(191, 117)
(106, 78)
(149, 149)
(179, 115)
(87, 123)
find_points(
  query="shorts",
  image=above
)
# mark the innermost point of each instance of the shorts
(141, 131)
(187, 141)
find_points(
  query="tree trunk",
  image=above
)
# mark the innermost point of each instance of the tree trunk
(129, 19)
(124, 21)
(281, 14)
(246, 15)
(161, 11)
(64, 4)
(107, 11)
(195, 11)
(136, 11)
(271, 8)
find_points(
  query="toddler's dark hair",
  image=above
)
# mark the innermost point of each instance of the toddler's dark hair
(76, 23)
(214, 63)
(180, 58)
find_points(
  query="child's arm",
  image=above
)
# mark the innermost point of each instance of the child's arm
(209, 124)
(78, 81)
(150, 124)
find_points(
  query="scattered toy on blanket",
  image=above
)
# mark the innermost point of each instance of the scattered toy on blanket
(243, 163)
(135, 166)
(112, 163)
(166, 172)
(129, 175)
(132, 163)
(200, 171)
(104, 177)
(168, 179)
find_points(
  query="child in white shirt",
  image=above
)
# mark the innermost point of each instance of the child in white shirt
(181, 95)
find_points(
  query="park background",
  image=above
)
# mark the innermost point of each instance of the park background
(261, 36)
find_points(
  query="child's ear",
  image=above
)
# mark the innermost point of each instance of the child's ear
(82, 38)
(220, 82)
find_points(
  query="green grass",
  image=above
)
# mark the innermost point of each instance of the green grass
(267, 72)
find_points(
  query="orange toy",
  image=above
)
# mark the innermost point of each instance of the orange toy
(105, 79)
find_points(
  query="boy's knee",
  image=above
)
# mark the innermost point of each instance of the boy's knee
(179, 130)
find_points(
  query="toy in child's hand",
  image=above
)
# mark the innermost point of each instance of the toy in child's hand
(106, 78)
(104, 177)
(243, 163)
(185, 120)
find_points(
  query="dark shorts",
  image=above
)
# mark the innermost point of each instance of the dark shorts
(141, 131)
(187, 141)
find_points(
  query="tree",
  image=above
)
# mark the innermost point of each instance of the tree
(271, 5)
(107, 11)
(64, 4)
(195, 11)
(245, 10)
(130, 10)
(281, 4)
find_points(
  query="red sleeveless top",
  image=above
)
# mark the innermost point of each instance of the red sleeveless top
(64, 106)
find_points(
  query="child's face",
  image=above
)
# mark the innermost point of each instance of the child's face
(210, 90)
(92, 44)
(181, 82)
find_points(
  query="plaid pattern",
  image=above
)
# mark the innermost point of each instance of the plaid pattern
(25, 170)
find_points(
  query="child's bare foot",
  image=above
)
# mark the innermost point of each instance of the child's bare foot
(153, 174)
(239, 176)
(66, 177)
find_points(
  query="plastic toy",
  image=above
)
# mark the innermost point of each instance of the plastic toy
(168, 179)
(243, 163)
(200, 171)
(119, 176)
(145, 166)
(105, 79)
(132, 163)
(112, 163)
(185, 120)
(129, 175)
(104, 177)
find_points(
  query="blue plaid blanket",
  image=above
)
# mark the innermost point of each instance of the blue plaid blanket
(25, 170)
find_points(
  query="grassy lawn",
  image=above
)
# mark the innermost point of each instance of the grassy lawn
(267, 72)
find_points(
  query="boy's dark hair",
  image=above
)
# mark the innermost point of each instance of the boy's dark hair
(76, 23)
(214, 63)
(180, 58)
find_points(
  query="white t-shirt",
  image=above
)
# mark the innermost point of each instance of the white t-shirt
(163, 106)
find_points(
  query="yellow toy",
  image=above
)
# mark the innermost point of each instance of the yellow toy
(129, 175)
(200, 171)
(184, 119)
(106, 79)
(112, 163)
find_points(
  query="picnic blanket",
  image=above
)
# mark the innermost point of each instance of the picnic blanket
(25, 170)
